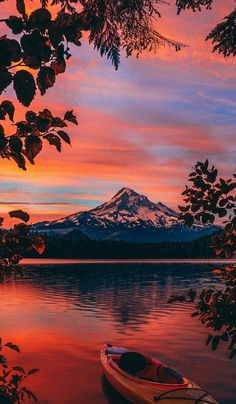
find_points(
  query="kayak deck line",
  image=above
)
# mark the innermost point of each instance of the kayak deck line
(162, 396)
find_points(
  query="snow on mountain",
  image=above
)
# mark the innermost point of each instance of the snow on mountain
(130, 208)
(126, 216)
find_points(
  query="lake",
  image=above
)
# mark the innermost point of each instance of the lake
(61, 315)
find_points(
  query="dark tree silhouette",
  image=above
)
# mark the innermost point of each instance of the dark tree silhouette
(211, 197)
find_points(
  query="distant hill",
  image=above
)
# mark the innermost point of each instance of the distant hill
(128, 216)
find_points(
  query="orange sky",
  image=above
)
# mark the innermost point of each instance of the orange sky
(142, 126)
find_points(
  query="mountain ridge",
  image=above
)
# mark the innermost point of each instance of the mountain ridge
(127, 216)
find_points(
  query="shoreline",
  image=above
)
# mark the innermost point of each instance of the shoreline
(65, 261)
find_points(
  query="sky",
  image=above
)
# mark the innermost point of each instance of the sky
(143, 126)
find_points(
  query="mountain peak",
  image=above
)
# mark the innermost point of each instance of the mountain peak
(125, 191)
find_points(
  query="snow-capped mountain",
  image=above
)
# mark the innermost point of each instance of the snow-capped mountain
(127, 216)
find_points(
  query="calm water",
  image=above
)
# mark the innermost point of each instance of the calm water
(61, 316)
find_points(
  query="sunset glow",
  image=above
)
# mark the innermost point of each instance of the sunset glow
(143, 126)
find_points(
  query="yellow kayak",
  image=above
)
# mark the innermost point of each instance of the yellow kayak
(142, 379)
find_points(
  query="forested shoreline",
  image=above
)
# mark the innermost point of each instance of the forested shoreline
(62, 247)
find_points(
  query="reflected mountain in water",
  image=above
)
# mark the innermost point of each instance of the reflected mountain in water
(128, 295)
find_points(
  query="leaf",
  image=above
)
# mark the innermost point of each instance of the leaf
(5, 79)
(9, 109)
(192, 294)
(208, 218)
(5, 59)
(195, 314)
(212, 175)
(12, 346)
(188, 219)
(209, 338)
(69, 116)
(222, 212)
(15, 24)
(45, 79)
(15, 144)
(2, 132)
(225, 337)
(31, 43)
(58, 66)
(19, 159)
(38, 244)
(32, 371)
(20, 5)
(64, 136)
(15, 50)
(20, 214)
(19, 369)
(33, 145)
(215, 342)
(184, 208)
(24, 86)
(3, 140)
(30, 116)
(54, 140)
(73, 34)
(30, 394)
(40, 18)
(58, 122)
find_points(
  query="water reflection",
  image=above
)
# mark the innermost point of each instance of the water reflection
(128, 295)
(61, 316)
(112, 396)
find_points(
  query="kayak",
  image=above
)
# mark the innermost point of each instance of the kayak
(142, 379)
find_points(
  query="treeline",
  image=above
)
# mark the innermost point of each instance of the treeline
(62, 247)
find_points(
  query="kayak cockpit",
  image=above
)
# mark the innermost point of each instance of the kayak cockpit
(145, 368)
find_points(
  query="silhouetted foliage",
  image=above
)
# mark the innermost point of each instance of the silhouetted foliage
(14, 244)
(211, 197)
(195, 5)
(223, 36)
(12, 389)
(46, 35)
(27, 140)
(43, 45)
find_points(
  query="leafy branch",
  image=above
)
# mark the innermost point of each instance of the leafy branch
(211, 197)
(27, 141)
(14, 243)
(12, 388)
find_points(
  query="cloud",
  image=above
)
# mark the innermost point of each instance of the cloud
(143, 126)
